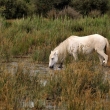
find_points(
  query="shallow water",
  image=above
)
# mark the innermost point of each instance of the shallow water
(28, 66)
(32, 68)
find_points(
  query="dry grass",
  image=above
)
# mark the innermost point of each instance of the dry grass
(80, 85)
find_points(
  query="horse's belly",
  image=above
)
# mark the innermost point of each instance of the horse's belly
(87, 50)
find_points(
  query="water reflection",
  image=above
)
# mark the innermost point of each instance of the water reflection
(32, 68)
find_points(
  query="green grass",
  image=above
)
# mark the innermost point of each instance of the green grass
(33, 35)
(80, 86)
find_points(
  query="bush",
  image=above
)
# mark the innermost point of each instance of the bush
(95, 13)
(86, 6)
(69, 12)
(23, 8)
(16, 9)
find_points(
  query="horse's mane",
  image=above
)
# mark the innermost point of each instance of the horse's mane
(62, 50)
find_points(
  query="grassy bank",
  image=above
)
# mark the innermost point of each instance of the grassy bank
(81, 86)
(37, 36)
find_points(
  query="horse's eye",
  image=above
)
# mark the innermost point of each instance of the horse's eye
(52, 58)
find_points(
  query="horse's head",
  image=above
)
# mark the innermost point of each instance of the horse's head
(53, 58)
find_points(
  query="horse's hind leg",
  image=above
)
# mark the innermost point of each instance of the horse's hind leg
(101, 59)
(102, 54)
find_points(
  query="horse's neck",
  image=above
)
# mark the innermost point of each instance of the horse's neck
(62, 48)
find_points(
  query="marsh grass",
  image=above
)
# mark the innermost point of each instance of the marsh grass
(34, 34)
(81, 85)
(16, 90)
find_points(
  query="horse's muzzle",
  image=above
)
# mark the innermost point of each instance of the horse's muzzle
(51, 67)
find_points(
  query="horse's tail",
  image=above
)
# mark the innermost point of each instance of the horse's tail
(107, 51)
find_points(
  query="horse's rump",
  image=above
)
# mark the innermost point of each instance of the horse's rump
(107, 51)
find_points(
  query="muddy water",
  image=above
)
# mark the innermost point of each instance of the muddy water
(28, 66)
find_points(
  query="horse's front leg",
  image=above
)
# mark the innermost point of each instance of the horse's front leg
(60, 66)
(75, 56)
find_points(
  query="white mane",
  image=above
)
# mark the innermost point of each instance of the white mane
(62, 50)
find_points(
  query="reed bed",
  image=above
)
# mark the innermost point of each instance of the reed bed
(80, 86)
(37, 36)
(20, 90)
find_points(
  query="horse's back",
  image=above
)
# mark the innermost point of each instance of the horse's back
(96, 37)
(87, 39)
(87, 43)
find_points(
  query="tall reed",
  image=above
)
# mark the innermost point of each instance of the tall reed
(28, 36)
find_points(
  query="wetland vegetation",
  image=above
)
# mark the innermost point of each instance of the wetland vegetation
(37, 36)
(81, 85)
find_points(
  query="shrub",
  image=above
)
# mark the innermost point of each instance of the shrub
(95, 13)
(69, 12)
(16, 9)
(85, 6)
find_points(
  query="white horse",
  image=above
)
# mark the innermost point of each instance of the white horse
(74, 45)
